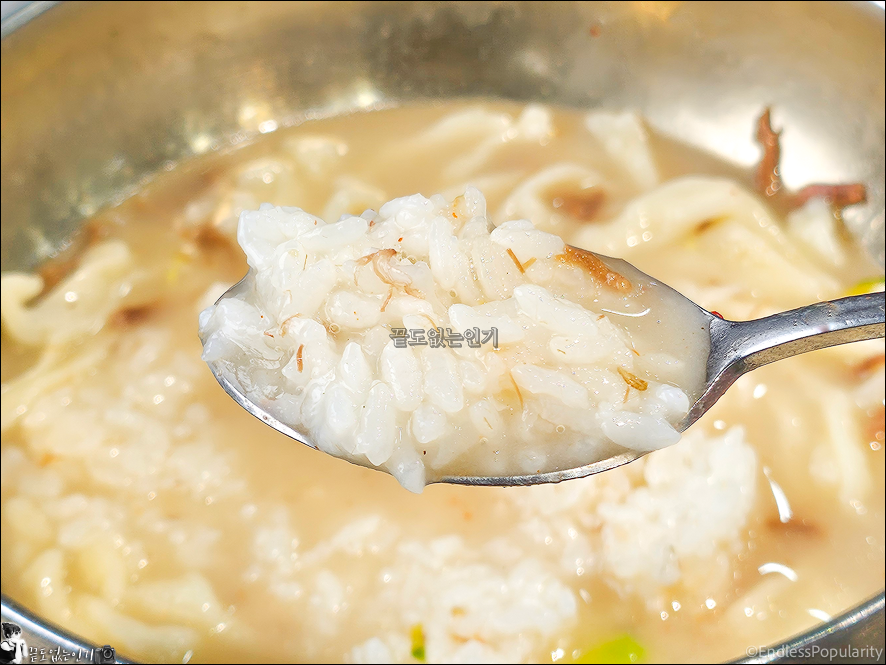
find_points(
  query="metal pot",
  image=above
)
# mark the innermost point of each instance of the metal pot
(98, 97)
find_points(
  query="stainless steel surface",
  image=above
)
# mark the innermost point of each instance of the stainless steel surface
(98, 97)
(40, 634)
(737, 347)
(860, 626)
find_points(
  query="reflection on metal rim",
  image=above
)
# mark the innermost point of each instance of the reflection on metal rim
(862, 626)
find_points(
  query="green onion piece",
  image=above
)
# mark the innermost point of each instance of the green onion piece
(418, 642)
(867, 286)
(622, 649)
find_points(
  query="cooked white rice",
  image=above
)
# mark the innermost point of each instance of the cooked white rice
(548, 381)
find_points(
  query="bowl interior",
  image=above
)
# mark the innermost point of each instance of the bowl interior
(99, 97)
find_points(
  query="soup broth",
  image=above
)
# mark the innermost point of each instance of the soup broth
(142, 508)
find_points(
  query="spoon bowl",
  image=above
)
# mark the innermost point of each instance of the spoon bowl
(736, 347)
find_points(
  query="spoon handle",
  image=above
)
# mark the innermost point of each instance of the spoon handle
(737, 347)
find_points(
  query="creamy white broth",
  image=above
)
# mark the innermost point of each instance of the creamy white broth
(298, 556)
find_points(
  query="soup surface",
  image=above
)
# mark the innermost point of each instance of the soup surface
(142, 508)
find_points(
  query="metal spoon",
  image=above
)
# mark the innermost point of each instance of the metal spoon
(737, 347)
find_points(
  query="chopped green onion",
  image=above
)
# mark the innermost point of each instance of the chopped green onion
(867, 286)
(418, 642)
(622, 649)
